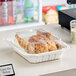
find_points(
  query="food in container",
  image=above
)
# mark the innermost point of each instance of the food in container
(37, 45)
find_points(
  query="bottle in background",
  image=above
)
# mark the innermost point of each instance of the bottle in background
(10, 12)
(19, 11)
(14, 10)
(28, 11)
(4, 13)
(0, 12)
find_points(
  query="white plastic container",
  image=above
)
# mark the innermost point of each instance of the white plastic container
(39, 57)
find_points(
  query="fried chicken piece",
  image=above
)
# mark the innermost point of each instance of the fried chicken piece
(41, 48)
(47, 34)
(22, 42)
(52, 46)
(38, 38)
(32, 48)
(39, 43)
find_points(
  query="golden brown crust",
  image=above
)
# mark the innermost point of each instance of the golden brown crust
(25, 44)
(22, 42)
(38, 44)
(41, 48)
(48, 35)
(51, 46)
(38, 38)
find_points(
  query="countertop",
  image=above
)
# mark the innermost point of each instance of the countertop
(24, 68)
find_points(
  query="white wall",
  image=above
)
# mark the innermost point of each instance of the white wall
(53, 2)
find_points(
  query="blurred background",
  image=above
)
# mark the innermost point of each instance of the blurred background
(15, 12)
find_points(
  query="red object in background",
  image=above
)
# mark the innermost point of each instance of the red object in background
(9, 8)
(10, 12)
(45, 9)
(1, 2)
(2, 13)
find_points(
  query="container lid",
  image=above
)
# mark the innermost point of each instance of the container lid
(37, 41)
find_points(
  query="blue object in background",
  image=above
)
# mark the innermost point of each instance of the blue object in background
(61, 7)
(28, 10)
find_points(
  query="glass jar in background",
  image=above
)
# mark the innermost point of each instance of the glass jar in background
(73, 31)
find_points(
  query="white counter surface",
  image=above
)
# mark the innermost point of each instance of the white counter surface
(24, 68)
